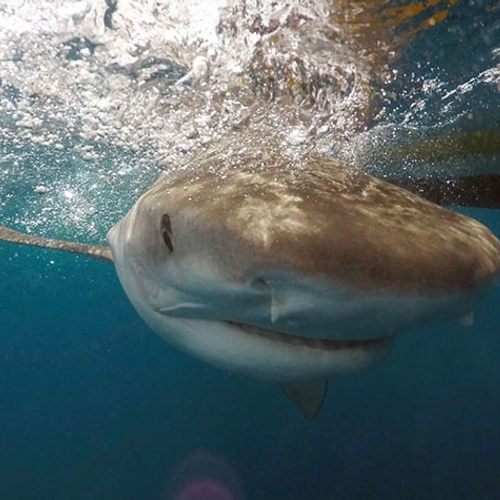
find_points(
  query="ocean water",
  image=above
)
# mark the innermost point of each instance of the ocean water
(95, 406)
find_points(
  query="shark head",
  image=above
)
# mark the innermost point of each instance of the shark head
(291, 270)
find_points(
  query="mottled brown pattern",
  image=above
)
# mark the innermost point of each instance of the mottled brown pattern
(263, 204)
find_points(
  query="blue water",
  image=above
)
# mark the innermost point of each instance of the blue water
(94, 406)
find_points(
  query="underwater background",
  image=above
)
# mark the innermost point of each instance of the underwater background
(93, 405)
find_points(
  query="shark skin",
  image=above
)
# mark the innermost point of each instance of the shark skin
(289, 268)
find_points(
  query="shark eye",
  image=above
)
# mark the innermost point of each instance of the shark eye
(166, 231)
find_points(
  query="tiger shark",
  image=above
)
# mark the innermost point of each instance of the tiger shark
(290, 268)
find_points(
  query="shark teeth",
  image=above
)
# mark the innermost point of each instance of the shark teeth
(316, 343)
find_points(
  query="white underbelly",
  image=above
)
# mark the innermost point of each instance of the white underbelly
(263, 355)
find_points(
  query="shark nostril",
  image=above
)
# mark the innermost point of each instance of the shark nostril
(260, 285)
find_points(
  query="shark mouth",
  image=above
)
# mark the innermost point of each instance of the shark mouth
(314, 343)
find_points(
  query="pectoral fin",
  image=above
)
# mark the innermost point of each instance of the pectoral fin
(308, 396)
(98, 252)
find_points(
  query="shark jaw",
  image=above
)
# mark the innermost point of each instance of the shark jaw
(299, 365)
(261, 353)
